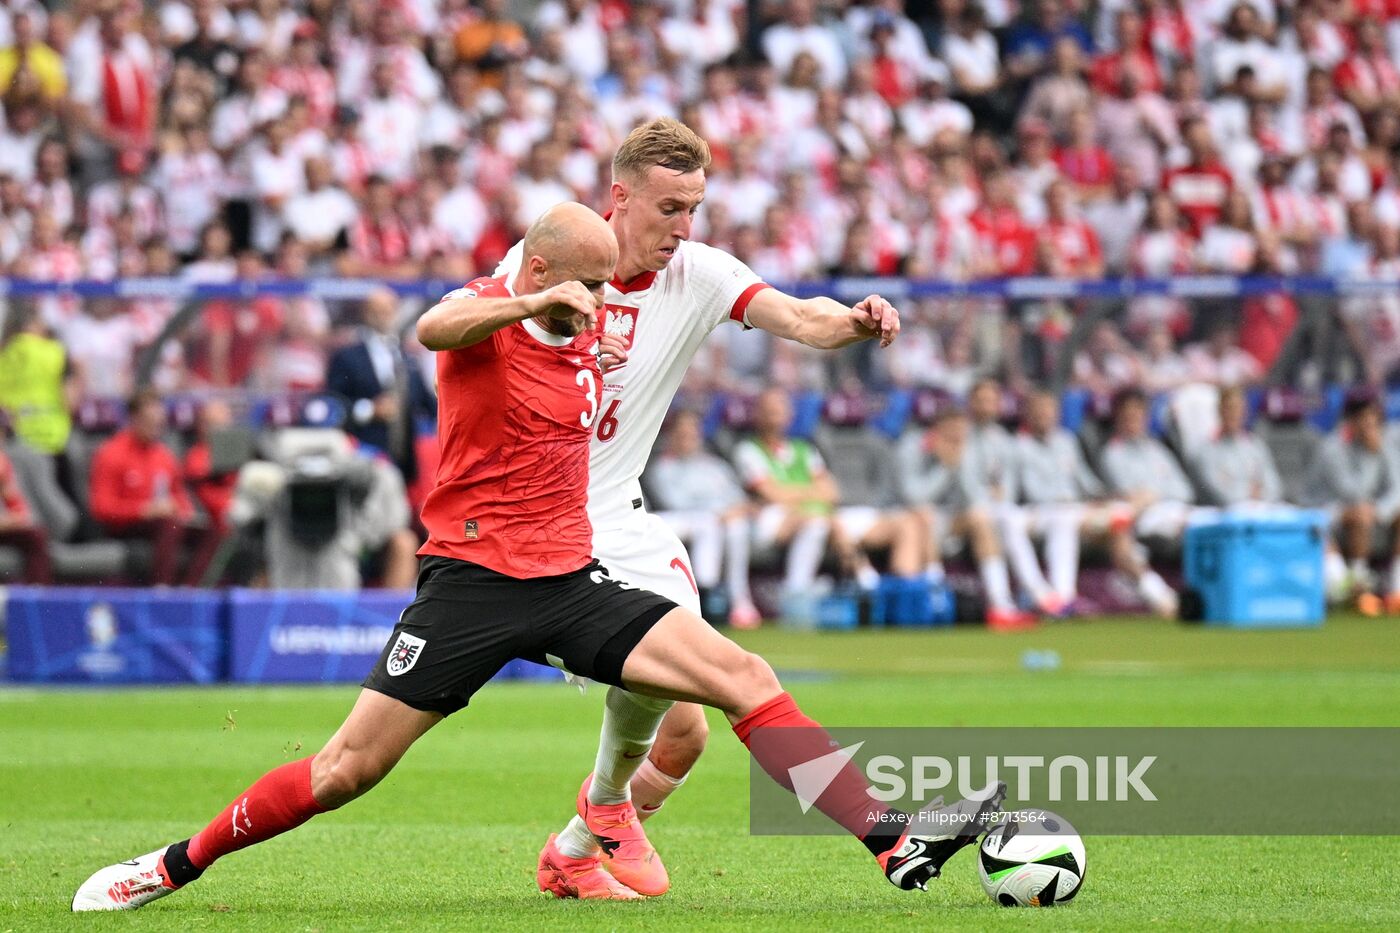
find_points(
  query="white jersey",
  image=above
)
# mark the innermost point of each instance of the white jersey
(664, 317)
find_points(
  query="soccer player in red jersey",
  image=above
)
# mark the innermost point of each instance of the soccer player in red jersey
(508, 573)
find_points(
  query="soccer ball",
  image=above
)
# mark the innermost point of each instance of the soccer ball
(1032, 858)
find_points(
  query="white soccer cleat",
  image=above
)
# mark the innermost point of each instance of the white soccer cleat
(125, 885)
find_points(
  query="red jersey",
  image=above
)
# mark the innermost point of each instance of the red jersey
(515, 414)
(1199, 192)
(1007, 238)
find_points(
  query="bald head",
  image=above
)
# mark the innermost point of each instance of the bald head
(569, 242)
(381, 310)
(570, 230)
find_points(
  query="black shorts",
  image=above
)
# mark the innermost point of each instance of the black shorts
(467, 621)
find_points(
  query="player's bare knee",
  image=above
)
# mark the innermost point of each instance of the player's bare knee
(755, 681)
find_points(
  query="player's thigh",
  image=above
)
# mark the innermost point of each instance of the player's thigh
(648, 554)
(865, 525)
(683, 658)
(587, 622)
(1162, 520)
(462, 627)
(774, 525)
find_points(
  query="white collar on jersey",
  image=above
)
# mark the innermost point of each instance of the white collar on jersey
(535, 330)
(544, 336)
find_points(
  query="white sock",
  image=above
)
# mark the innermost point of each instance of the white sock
(997, 582)
(630, 722)
(866, 577)
(934, 572)
(650, 788)
(707, 551)
(1062, 553)
(575, 840)
(1394, 575)
(1334, 574)
(1155, 592)
(1016, 539)
(805, 554)
(736, 544)
(1360, 568)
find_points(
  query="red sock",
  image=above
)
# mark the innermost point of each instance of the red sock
(278, 801)
(789, 738)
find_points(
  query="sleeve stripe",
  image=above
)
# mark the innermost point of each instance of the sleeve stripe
(741, 304)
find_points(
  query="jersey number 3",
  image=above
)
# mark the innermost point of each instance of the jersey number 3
(607, 425)
(590, 389)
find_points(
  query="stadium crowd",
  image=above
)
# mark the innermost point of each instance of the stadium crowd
(952, 140)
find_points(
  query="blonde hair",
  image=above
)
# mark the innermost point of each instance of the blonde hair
(665, 142)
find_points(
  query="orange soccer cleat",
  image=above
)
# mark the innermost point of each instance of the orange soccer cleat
(627, 852)
(583, 878)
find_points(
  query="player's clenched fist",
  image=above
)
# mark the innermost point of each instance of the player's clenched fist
(569, 301)
(878, 318)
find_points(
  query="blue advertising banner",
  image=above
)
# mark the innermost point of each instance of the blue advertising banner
(321, 636)
(309, 636)
(114, 636)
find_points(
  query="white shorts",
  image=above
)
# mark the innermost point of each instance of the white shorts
(1168, 519)
(639, 548)
(855, 520)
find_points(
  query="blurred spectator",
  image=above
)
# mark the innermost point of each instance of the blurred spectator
(1083, 162)
(798, 500)
(385, 394)
(1354, 477)
(102, 339)
(1116, 217)
(379, 240)
(937, 474)
(1219, 360)
(211, 481)
(1105, 364)
(1061, 91)
(1064, 503)
(18, 528)
(1030, 42)
(237, 333)
(699, 496)
(137, 491)
(490, 41)
(29, 67)
(1161, 368)
(1228, 244)
(1236, 467)
(1201, 186)
(321, 215)
(1138, 468)
(1162, 249)
(974, 63)
(798, 31)
(37, 389)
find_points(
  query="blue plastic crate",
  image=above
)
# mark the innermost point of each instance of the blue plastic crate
(915, 601)
(1258, 570)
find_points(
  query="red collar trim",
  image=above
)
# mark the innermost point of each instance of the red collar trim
(640, 283)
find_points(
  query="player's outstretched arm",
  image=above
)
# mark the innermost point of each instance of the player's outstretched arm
(823, 322)
(457, 322)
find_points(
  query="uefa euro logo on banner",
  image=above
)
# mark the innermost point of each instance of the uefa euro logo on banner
(102, 660)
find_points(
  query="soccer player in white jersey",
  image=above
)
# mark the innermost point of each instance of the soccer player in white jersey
(668, 294)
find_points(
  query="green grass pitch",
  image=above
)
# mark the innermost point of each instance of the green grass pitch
(448, 841)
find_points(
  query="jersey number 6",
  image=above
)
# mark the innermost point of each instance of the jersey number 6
(607, 425)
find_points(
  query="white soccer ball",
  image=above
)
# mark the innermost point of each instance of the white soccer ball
(1031, 858)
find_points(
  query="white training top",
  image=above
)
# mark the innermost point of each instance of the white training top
(664, 317)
